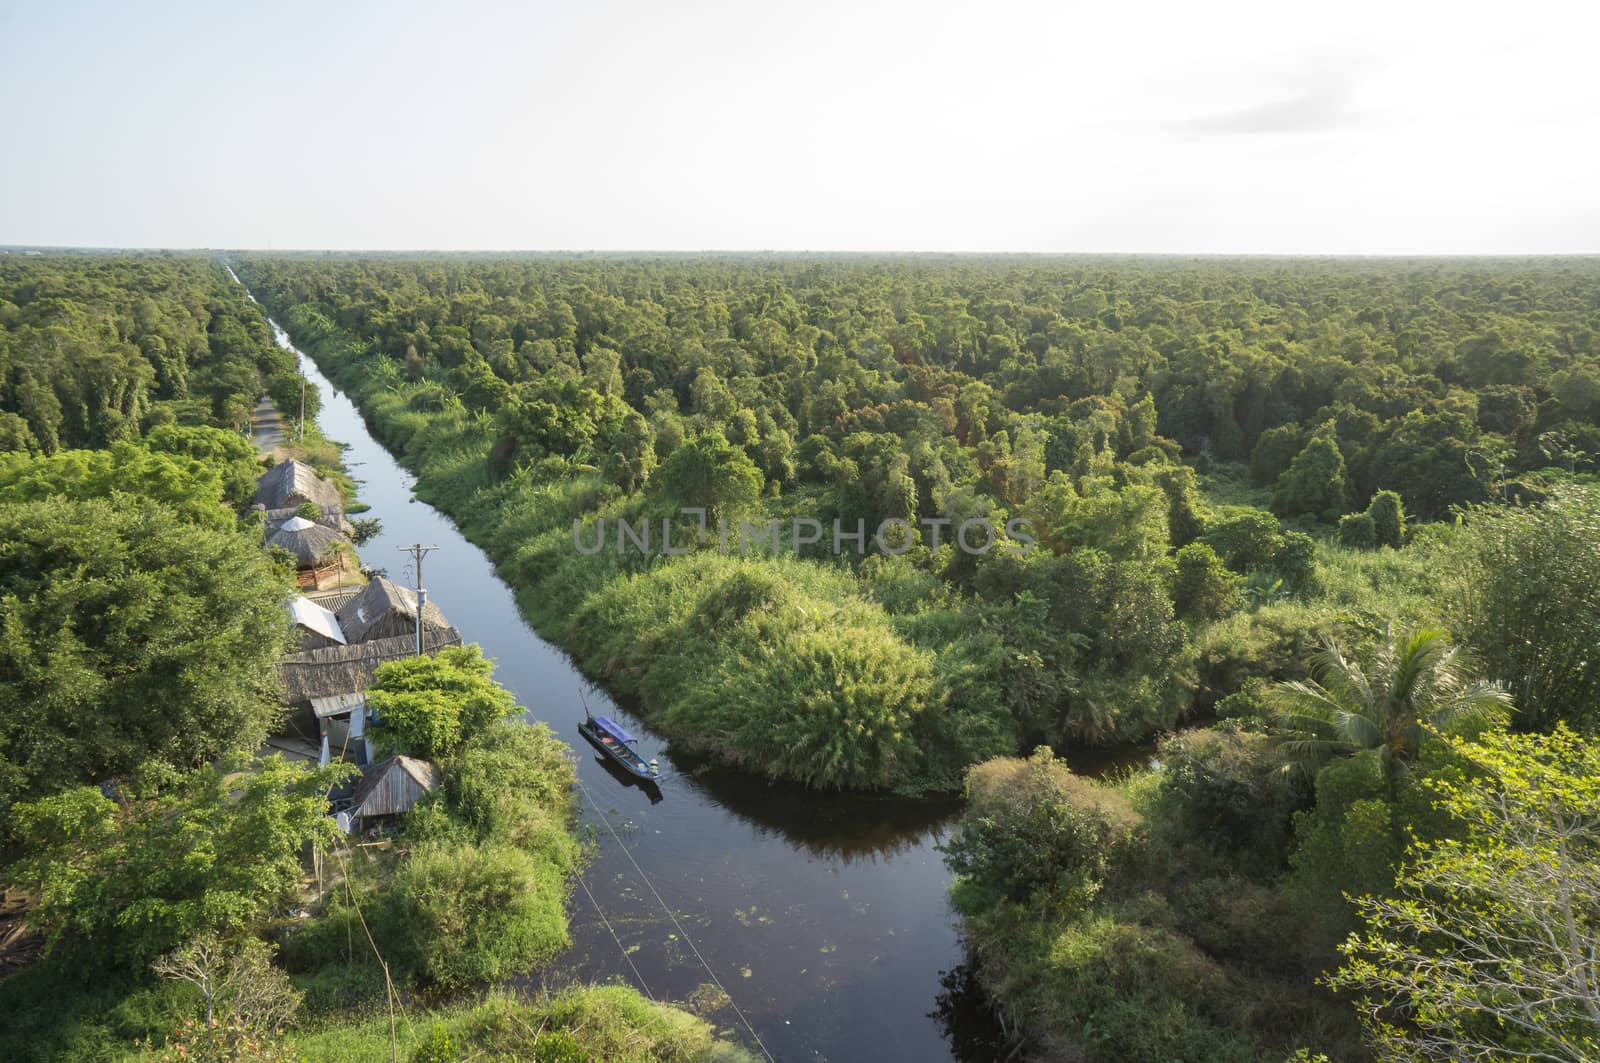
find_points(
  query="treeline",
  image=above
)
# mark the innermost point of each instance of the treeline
(1209, 453)
(96, 350)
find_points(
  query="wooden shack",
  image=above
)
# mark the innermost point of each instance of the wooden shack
(391, 788)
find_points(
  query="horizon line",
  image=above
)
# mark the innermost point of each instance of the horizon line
(876, 252)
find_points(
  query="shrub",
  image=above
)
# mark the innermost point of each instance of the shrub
(1224, 790)
(1357, 531)
(1033, 825)
(466, 914)
(1204, 589)
(1246, 541)
(427, 706)
(1388, 519)
(513, 784)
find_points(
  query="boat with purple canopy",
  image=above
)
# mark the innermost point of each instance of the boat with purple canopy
(612, 739)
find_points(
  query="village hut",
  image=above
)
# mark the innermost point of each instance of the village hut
(334, 670)
(391, 788)
(330, 517)
(316, 624)
(386, 610)
(316, 549)
(292, 483)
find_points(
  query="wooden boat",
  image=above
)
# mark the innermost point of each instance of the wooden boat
(612, 739)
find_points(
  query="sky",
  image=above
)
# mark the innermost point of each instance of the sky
(1208, 127)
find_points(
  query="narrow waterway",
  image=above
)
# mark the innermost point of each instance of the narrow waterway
(824, 916)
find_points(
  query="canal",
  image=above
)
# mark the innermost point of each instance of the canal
(825, 916)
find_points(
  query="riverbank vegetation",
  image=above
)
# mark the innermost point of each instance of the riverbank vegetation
(187, 894)
(1221, 463)
(1327, 526)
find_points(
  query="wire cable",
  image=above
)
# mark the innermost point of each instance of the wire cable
(681, 931)
(625, 955)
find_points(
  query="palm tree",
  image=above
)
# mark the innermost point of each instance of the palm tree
(1415, 683)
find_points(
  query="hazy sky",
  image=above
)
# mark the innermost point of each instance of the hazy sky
(1030, 126)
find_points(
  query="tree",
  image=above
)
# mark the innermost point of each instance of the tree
(236, 981)
(1415, 683)
(712, 474)
(1525, 585)
(1204, 589)
(129, 636)
(1314, 484)
(212, 852)
(428, 706)
(191, 487)
(1358, 532)
(1488, 949)
(1388, 519)
(1033, 825)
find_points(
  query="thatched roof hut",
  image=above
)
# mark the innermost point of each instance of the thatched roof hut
(332, 517)
(312, 545)
(391, 787)
(293, 483)
(334, 670)
(386, 609)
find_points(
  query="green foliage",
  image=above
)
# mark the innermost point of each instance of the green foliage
(309, 510)
(1204, 589)
(1388, 519)
(1487, 948)
(465, 914)
(1383, 524)
(1358, 531)
(1032, 825)
(428, 706)
(1524, 589)
(513, 782)
(1314, 484)
(1061, 391)
(713, 475)
(1246, 541)
(1222, 789)
(210, 852)
(94, 348)
(595, 1022)
(437, 1046)
(190, 487)
(129, 636)
(1416, 683)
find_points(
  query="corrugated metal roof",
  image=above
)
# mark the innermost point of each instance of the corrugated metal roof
(313, 617)
(337, 704)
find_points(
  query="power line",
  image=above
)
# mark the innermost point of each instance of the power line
(625, 955)
(681, 931)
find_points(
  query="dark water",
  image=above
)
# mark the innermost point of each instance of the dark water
(824, 916)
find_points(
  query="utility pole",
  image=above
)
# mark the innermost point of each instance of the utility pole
(302, 404)
(418, 552)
